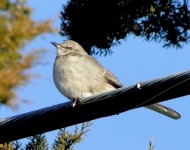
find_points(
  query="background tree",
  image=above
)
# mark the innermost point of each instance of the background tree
(38, 142)
(103, 23)
(17, 29)
(66, 140)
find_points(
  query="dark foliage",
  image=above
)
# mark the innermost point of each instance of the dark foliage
(103, 23)
(37, 142)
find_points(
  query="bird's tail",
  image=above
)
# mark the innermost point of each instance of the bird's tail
(164, 110)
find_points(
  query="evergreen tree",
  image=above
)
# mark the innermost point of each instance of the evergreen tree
(37, 142)
(66, 140)
(17, 29)
(101, 24)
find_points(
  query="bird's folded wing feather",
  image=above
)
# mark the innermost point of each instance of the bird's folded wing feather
(111, 79)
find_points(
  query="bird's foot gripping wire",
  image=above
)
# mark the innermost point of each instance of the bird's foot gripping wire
(75, 102)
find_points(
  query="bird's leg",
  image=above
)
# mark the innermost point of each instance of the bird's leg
(75, 102)
(139, 84)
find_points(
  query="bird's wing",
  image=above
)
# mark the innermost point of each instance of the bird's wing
(155, 107)
(111, 79)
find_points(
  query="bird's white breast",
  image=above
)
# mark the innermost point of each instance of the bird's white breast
(76, 81)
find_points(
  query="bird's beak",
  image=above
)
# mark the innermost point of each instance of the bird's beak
(55, 44)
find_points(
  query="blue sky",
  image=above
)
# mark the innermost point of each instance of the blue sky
(133, 61)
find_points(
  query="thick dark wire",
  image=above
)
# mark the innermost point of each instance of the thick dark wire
(140, 105)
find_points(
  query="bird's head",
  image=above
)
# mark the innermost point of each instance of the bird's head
(69, 47)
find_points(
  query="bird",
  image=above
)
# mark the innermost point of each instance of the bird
(78, 75)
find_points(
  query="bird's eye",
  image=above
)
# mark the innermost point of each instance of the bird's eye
(70, 47)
